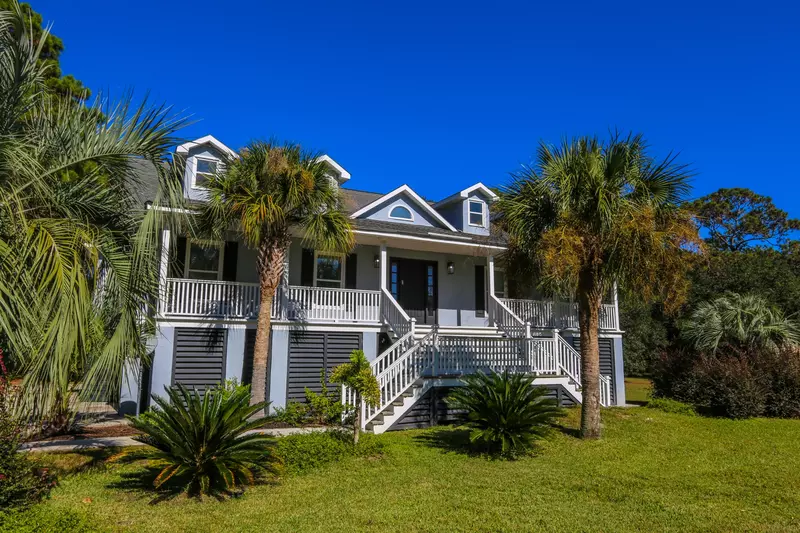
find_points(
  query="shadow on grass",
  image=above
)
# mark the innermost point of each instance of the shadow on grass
(455, 440)
(78, 461)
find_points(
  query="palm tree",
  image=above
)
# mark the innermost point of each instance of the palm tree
(270, 191)
(590, 214)
(740, 320)
(78, 250)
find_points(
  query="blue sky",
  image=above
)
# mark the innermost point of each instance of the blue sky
(441, 95)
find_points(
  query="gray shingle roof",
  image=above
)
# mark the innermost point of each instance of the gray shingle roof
(426, 231)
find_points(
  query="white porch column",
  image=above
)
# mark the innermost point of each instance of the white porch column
(384, 266)
(163, 270)
(490, 296)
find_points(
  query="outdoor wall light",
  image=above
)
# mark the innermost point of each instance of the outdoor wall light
(376, 261)
(451, 267)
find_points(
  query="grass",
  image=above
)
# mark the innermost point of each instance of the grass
(637, 390)
(653, 471)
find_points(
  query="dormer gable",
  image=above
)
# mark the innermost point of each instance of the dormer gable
(468, 210)
(202, 158)
(403, 206)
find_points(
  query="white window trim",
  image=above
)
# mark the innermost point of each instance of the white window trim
(193, 165)
(341, 257)
(395, 206)
(186, 269)
(483, 213)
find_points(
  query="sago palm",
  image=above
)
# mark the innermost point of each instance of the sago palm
(78, 250)
(589, 214)
(505, 412)
(746, 321)
(268, 193)
(204, 441)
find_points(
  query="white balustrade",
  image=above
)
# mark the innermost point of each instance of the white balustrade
(394, 315)
(204, 298)
(506, 319)
(558, 314)
(605, 390)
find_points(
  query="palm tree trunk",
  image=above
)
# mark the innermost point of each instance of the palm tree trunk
(589, 299)
(271, 255)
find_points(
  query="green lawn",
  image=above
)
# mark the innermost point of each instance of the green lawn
(652, 472)
(637, 390)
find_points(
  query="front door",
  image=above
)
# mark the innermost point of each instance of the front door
(414, 285)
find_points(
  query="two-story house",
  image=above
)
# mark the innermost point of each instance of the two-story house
(421, 294)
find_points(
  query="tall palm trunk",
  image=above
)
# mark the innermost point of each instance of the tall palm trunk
(271, 255)
(589, 299)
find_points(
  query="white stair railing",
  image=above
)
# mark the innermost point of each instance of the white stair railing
(398, 377)
(394, 315)
(569, 362)
(506, 320)
(605, 390)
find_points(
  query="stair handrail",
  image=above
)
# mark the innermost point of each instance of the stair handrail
(506, 320)
(396, 379)
(569, 362)
(394, 315)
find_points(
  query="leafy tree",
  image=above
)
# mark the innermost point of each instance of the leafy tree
(51, 49)
(78, 257)
(590, 214)
(358, 376)
(647, 333)
(746, 321)
(739, 218)
(273, 189)
(505, 412)
(204, 440)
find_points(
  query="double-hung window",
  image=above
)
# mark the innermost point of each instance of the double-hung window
(203, 262)
(329, 271)
(477, 215)
(204, 169)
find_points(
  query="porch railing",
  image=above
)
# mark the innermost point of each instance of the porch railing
(225, 299)
(558, 314)
(505, 319)
(394, 315)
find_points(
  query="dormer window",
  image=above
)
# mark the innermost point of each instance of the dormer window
(204, 169)
(401, 212)
(477, 213)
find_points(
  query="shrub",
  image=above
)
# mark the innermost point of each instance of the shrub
(732, 382)
(325, 407)
(293, 414)
(671, 406)
(202, 442)
(307, 451)
(505, 412)
(358, 377)
(22, 480)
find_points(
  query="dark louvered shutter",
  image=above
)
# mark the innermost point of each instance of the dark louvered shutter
(178, 263)
(310, 352)
(199, 357)
(229, 261)
(247, 363)
(307, 268)
(351, 271)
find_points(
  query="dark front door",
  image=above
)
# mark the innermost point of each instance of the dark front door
(414, 285)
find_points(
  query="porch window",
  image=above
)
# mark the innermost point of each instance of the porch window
(329, 271)
(476, 213)
(205, 168)
(203, 261)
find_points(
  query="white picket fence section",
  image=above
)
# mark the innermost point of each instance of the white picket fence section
(558, 314)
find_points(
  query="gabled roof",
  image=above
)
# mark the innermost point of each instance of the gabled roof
(465, 194)
(208, 139)
(343, 174)
(425, 206)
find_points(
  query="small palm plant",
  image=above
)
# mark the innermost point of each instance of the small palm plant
(358, 376)
(505, 412)
(204, 440)
(740, 320)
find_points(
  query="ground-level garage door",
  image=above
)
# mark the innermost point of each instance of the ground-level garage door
(310, 352)
(199, 360)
